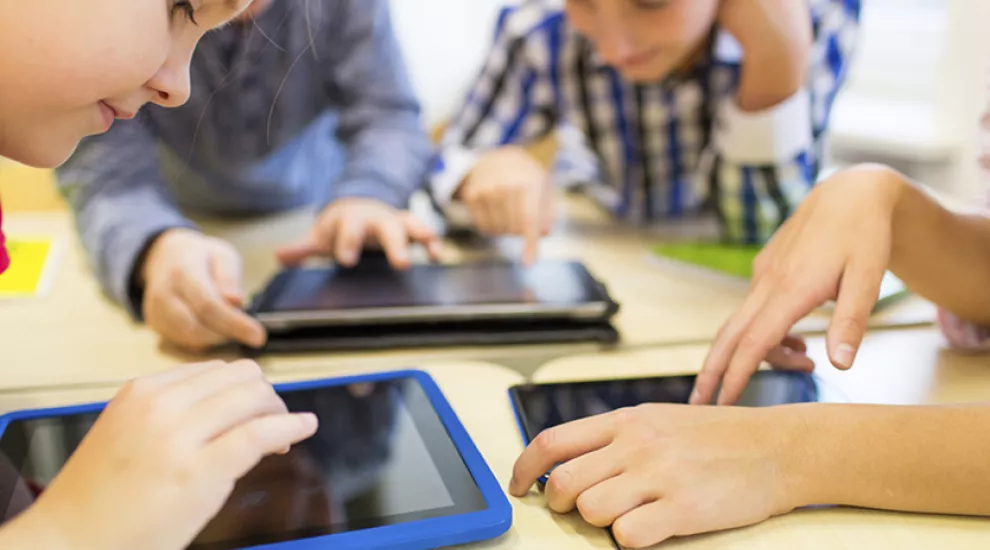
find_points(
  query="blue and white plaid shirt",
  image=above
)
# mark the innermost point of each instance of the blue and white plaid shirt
(652, 151)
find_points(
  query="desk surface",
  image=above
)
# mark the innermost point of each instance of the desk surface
(478, 393)
(899, 367)
(74, 335)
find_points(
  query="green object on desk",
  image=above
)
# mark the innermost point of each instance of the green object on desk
(732, 260)
(736, 261)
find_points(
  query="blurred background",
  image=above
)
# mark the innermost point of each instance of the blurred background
(913, 99)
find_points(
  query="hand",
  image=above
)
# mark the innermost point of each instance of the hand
(658, 471)
(776, 38)
(509, 193)
(836, 246)
(192, 292)
(348, 225)
(164, 456)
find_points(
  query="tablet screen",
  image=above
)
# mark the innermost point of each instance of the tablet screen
(375, 285)
(543, 406)
(381, 457)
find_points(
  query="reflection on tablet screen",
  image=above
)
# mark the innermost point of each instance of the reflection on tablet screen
(433, 285)
(381, 457)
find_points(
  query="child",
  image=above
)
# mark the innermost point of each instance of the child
(298, 104)
(660, 471)
(661, 107)
(162, 458)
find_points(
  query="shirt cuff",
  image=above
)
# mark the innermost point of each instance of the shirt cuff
(771, 136)
(127, 249)
(962, 335)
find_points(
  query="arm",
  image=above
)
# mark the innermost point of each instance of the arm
(120, 202)
(914, 459)
(503, 107)
(769, 131)
(940, 254)
(388, 151)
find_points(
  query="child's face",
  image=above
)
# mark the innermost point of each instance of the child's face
(645, 40)
(67, 68)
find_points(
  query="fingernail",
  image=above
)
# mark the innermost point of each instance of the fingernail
(844, 355)
(695, 397)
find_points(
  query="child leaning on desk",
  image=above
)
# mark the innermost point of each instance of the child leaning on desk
(296, 104)
(662, 108)
(661, 471)
(163, 457)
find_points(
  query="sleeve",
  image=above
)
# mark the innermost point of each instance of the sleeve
(120, 202)
(763, 164)
(511, 102)
(389, 152)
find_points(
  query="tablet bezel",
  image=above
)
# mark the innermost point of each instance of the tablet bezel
(485, 524)
(596, 310)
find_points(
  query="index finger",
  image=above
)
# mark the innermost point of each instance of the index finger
(531, 224)
(767, 330)
(558, 445)
(217, 314)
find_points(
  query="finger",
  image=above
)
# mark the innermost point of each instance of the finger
(206, 383)
(421, 233)
(570, 480)
(482, 215)
(558, 445)
(649, 525)
(785, 358)
(512, 211)
(611, 499)
(349, 240)
(230, 405)
(391, 234)
(717, 361)
(796, 343)
(765, 333)
(162, 380)
(239, 450)
(226, 270)
(295, 254)
(181, 326)
(531, 231)
(217, 315)
(858, 292)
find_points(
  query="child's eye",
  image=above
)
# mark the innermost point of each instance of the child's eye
(651, 4)
(185, 8)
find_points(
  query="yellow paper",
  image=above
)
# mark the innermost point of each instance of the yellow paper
(27, 267)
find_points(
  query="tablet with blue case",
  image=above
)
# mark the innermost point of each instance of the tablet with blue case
(391, 467)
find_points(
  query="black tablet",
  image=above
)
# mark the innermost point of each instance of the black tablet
(542, 406)
(390, 467)
(373, 293)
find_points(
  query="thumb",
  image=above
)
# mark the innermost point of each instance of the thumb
(294, 254)
(226, 271)
(858, 292)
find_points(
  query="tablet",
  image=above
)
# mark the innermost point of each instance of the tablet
(373, 293)
(390, 467)
(542, 406)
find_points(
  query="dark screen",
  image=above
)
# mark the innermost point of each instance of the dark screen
(544, 406)
(381, 457)
(375, 285)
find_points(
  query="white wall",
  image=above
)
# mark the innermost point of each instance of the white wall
(445, 43)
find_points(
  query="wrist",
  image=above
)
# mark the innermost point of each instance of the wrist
(799, 455)
(152, 248)
(37, 529)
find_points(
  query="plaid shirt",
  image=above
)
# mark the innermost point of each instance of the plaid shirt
(651, 151)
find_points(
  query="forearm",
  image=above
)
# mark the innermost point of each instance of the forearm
(942, 255)
(29, 530)
(914, 459)
(777, 57)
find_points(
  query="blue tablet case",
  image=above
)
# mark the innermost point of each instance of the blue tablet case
(425, 534)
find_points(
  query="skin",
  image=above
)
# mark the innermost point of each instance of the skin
(646, 41)
(165, 454)
(661, 471)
